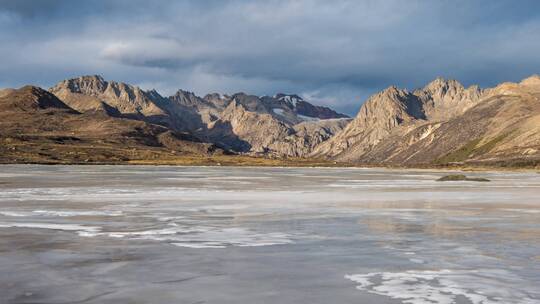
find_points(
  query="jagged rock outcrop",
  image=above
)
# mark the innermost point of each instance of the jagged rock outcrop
(90, 92)
(443, 99)
(257, 129)
(220, 101)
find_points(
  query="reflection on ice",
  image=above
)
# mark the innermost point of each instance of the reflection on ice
(183, 236)
(66, 213)
(81, 229)
(202, 237)
(483, 286)
(59, 213)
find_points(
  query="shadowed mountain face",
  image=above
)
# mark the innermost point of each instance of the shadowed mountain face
(439, 124)
(301, 107)
(444, 123)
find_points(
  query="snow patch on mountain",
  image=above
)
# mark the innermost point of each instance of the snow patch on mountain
(278, 111)
(290, 99)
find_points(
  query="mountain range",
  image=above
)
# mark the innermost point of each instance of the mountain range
(89, 119)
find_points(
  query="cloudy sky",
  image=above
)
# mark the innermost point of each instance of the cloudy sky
(335, 53)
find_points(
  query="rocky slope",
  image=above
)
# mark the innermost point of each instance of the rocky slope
(444, 123)
(36, 126)
(267, 126)
(93, 93)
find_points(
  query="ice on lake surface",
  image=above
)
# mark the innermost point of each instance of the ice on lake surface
(158, 234)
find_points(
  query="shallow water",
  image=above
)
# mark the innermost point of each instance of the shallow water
(120, 234)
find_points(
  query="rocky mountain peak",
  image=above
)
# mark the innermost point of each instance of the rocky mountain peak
(181, 92)
(90, 92)
(290, 99)
(30, 98)
(528, 85)
(215, 96)
(385, 100)
(445, 98)
(218, 100)
(303, 109)
(157, 98)
(397, 104)
(533, 80)
(392, 92)
(242, 96)
(377, 118)
(442, 86)
(154, 94)
(83, 84)
(89, 78)
(189, 99)
(95, 85)
(250, 102)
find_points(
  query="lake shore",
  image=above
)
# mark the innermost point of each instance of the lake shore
(251, 161)
(46, 153)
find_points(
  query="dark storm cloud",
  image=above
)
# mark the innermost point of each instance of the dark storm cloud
(334, 52)
(30, 8)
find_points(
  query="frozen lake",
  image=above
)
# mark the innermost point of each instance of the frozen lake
(136, 234)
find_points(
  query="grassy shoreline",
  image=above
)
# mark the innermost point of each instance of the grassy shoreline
(91, 152)
(250, 161)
